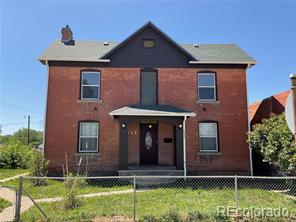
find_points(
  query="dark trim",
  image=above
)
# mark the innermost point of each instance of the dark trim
(216, 84)
(123, 145)
(179, 147)
(98, 64)
(78, 137)
(100, 79)
(218, 135)
(149, 70)
(162, 34)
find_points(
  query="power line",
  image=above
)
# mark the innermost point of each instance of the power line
(21, 123)
(19, 107)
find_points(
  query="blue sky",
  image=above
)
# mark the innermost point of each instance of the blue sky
(265, 29)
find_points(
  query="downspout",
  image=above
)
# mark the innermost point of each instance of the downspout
(249, 125)
(184, 145)
(45, 111)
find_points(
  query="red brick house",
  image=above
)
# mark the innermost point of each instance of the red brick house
(263, 109)
(147, 104)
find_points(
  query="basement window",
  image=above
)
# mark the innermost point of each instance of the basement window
(206, 86)
(90, 85)
(208, 136)
(88, 137)
(149, 43)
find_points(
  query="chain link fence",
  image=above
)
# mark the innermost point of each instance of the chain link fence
(157, 198)
(8, 200)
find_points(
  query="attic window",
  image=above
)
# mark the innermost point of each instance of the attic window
(149, 43)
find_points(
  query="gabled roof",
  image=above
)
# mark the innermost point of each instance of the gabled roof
(280, 98)
(100, 51)
(156, 110)
(155, 28)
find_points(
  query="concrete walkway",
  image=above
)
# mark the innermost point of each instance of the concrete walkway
(56, 199)
(13, 178)
(8, 213)
(8, 194)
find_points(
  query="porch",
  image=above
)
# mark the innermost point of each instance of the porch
(152, 140)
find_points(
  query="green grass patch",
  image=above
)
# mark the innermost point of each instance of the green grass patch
(6, 173)
(56, 188)
(4, 204)
(160, 201)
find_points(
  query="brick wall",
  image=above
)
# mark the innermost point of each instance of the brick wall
(121, 87)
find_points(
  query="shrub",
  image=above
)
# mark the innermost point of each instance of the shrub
(149, 218)
(15, 155)
(70, 200)
(38, 168)
(195, 217)
(74, 182)
(172, 216)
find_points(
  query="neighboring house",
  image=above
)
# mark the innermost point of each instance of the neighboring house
(147, 104)
(263, 109)
(258, 111)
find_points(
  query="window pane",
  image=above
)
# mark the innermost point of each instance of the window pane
(206, 80)
(91, 92)
(88, 144)
(88, 129)
(207, 129)
(208, 143)
(90, 78)
(206, 93)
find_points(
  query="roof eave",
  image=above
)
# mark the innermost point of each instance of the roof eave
(43, 61)
(218, 62)
(164, 114)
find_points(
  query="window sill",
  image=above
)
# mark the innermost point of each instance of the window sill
(89, 101)
(209, 101)
(209, 153)
(87, 154)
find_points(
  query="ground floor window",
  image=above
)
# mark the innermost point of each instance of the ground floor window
(88, 136)
(208, 136)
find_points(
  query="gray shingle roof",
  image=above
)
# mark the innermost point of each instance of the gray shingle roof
(157, 110)
(92, 51)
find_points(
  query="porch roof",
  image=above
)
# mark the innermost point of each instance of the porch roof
(154, 110)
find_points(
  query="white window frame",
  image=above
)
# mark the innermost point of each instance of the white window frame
(217, 146)
(84, 85)
(97, 137)
(199, 86)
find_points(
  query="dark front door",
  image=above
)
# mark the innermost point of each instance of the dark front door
(148, 143)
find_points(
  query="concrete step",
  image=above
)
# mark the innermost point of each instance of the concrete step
(150, 172)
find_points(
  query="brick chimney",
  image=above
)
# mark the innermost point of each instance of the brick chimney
(67, 35)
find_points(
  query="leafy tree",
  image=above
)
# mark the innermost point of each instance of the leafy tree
(274, 140)
(35, 136)
(15, 154)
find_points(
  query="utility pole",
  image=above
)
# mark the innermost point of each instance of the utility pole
(28, 129)
(293, 91)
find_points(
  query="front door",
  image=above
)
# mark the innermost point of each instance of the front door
(148, 143)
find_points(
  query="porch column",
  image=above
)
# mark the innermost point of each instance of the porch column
(123, 145)
(179, 146)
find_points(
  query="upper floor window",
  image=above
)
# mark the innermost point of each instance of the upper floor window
(90, 85)
(206, 86)
(149, 43)
(208, 137)
(88, 136)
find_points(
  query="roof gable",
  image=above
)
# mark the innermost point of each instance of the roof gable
(149, 26)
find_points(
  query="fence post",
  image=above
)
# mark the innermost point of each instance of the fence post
(19, 200)
(236, 195)
(134, 216)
